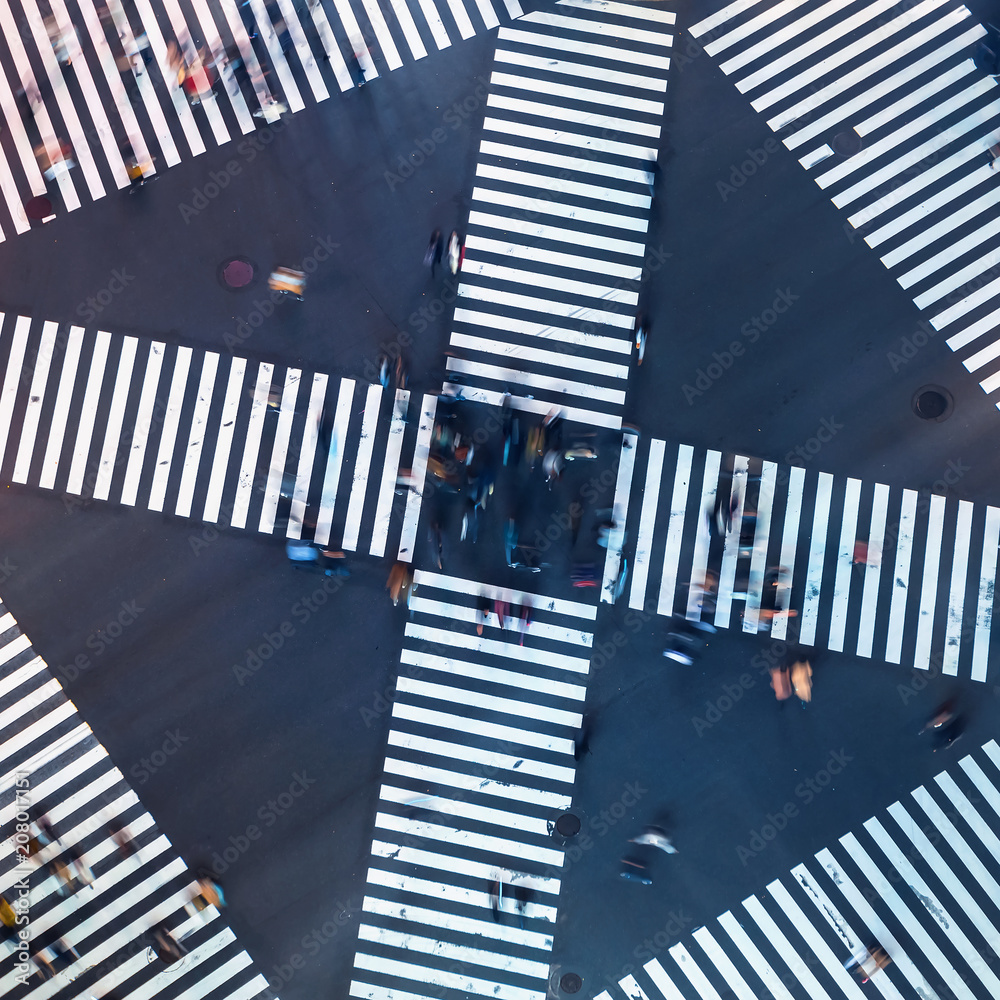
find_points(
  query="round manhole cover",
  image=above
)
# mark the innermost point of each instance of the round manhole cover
(846, 143)
(570, 983)
(932, 402)
(237, 272)
(568, 825)
(38, 208)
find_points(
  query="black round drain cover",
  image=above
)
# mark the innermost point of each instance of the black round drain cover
(568, 825)
(570, 983)
(932, 402)
(846, 143)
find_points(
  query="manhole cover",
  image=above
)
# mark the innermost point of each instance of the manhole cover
(568, 825)
(570, 983)
(237, 272)
(846, 143)
(932, 402)
(38, 208)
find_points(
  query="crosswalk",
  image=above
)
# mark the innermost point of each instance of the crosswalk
(901, 575)
(52, 763)
(557, 229)
(892, 117)
(196, 434)
(479, 767)
(101, 79)
(919, 880)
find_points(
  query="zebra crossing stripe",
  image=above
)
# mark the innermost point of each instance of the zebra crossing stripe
(647, 518)
(251, 445)
(335, 458)
(390, 472)
(196, 439)
(307, 456)
(356, 502)
(703, 534)
(116, 418)
(143, 423)
(224, 442)
(168, 436)
(731, 549)
(408, 535)
(742, 940)
(873, 570)
(279, 451)
(36, 396)
(817, 553)
(758, 558)
(845, 565)
(675, 528)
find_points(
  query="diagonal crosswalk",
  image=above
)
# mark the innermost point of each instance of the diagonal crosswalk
(919, 880)
(557, 229)
(865, 568)
(196, 434)
(893, 114)
(479, 766)
(52, 763)
(94, 84)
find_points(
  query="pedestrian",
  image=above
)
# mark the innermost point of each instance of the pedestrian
(496, 889)
(436, 538)
(61, 872)
(434, 252)
(399, 582)
(655, 836)
(866, 554)
(634, 870)
(456, 252)
(781, 683)
(802, 681)
(357, 70)
(483, 609)
(287, 281)
(525, 618)
(78, 865)
(123, 841)
(500, 608)
(168, 949)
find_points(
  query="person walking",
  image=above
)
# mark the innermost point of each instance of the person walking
(655, 836)
(802, 681)
(434, 252)
(399, 582)
(781, 682)
(455, 252)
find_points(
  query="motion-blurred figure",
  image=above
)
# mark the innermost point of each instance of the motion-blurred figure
(802, 681)
(946, 725)
(399, 582)
(655, 836)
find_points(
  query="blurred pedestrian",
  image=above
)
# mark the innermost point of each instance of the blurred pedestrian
(581, 744)
(168, 949)
(456, 252)
(496, 889)
(436, 538)
(500, 608)
(655, 836)
(483, 611)
(399, 582)
(287, 281)
(357, 70)
(634, 870)
(802, 681)
(781, 682)
(434, 252)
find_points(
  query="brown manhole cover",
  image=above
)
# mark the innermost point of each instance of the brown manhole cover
(570, 983)
(568, 825)
(236, 272)
(38, 208)
(932, 402)
(846, 143)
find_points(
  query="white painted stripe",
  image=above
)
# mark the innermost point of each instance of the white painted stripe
(675, 530)
(307, 456)
(758, 558)
(476, 783)
(458, 981)
(553, 186)
(472, 616)
(455, 837)
(632, 989)
(752, 954)
(496, 647)
(721, 961)
(752, 25)
(539, 407)
(979, 826)
(143, 423)
(446, 806)
(12, 377)
(334, 461)
(844, 933)
(116, 416)
(14, 680)
(613, 559)
(418, 473)
(565, 67)
(266, 33)
(570, 165)
(442, 890)
(626, 10)
(171, 424)
(410, 33)
(476, 266)
(647, 521)
(557, 359)
(876, 927)
(330, 45)
(845, 564)
(557, 386)
(484, 730)
(588, 341)
(930, 854)
(873, 570)
(602, 98)
(382, 36)
(422, 917)
(470, 698)
(29, 166)
(720, 17)
(901, 576)
(882, 89)
(987, 584)
(249, 57)
(569, 116)
(36, 396)
(519, 765)
(14, 744)
(703, 537)
(834, 59)
(567, 137)
(224, 441)
(476, 244)
(302, 48)
(731, 546)
(663, 982)
(196, 438)
(599, 26)
(956, 594)
(986, 324)
(434, 24)
(540, 602)
(928, 589)
(390, 470)
(14, 647)
(967, 304)
(210, 33)
(279, 451)
(32, 702)
(925, 945)
(817, 554)
(818, 155)
(251, 446)
(60, 412)
(944, 257)
(589, 50)
(362, 466)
